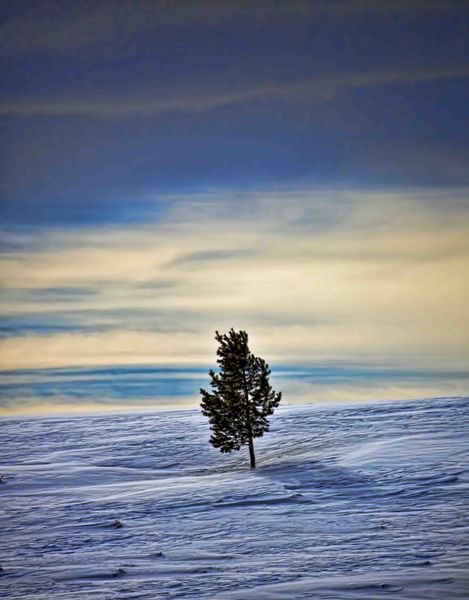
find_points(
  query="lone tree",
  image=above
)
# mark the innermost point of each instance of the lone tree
(242, 397)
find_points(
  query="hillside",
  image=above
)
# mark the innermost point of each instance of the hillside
(361, 502)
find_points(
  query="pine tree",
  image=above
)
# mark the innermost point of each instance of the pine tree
(242, 398)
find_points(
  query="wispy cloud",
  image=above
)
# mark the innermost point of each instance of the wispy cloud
(320, 88)
(312, 275)
(140, 388)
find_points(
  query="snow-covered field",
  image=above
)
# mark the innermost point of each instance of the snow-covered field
(362, 502)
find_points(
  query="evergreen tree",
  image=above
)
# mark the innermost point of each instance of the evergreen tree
(242, 398)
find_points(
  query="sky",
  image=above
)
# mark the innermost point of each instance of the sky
(296, 169)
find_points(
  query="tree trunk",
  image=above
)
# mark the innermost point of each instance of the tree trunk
(252, 456)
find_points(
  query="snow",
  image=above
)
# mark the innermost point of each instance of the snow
(348, 502)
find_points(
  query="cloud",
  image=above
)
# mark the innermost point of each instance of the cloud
(371, 391)
(313, 276)
(37, 407)
(320, 88)
(145, 388)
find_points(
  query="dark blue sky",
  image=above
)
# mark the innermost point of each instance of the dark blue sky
(107, 105)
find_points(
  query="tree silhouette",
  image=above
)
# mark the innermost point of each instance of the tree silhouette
(242, 398)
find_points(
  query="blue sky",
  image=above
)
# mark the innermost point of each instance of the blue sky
(296, 169)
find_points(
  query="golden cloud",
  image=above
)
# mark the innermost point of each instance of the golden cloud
(310, 275)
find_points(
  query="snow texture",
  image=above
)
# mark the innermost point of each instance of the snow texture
(348, 502)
